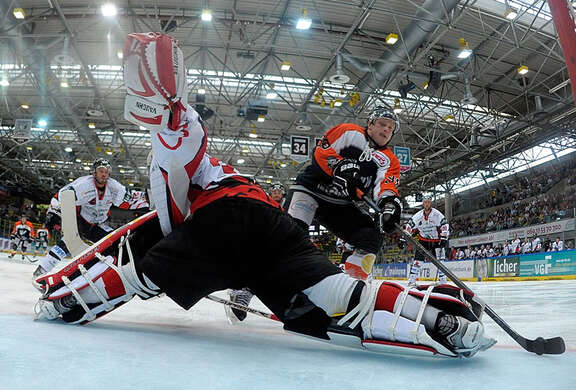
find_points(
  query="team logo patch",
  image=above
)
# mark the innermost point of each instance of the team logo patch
(324, 143)
(380, 158)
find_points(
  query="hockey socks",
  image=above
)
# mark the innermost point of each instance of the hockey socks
(359, 264)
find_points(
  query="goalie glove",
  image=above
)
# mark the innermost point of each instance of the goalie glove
(347, 177)
(53, 221)
(155, 79)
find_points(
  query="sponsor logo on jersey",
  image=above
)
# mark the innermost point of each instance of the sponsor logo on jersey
(380, 159)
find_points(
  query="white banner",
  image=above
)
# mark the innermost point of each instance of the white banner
(528, 231)
(462, 269)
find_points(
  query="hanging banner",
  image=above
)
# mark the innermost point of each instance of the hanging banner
(299, 148)
(22, 130)
(403, 155)
(528, 231)
(564, 21)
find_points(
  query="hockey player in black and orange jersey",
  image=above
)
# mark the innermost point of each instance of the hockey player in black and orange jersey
(216, 229)
(351, 157)
(22, 235)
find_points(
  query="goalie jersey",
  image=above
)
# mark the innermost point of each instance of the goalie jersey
(93, 205)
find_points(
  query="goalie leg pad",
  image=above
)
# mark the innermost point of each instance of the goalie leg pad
(97, 283)
(429, 320)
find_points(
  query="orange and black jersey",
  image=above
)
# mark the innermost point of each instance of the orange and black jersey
(23, 230)
(379, 167)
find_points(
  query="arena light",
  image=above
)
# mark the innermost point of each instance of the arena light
(64, 83)
(19, 13)
(24, 106)
(201, 91)
(282, 165)
(271, 95)
(304, 22)
(522, 70)
(4, 82)
(253, 134)
(261, 118)
(285, 65)
(511, 13)
(206, 15)
(148, 143)
(141, 128)
(397, 107)
(465, 50)
(391, 38)
(86, 168)
(120, 54)
(449, 118)
(42, 123)
(91, 125)
(68, 149)
(28, 147)
(240, 161)
(108, 10)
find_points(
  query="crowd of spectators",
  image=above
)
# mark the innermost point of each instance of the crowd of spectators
(544, 208)
(521, 187)
(509, 248)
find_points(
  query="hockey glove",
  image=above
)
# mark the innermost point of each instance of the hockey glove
(401, 243)
(347, 177)
(155, 79)
(391, 208)
(53, 221)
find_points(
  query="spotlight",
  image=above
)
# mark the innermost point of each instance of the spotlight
(108, 10)
(206, 15)
(304, 22)
(465, 51)
(391, 38)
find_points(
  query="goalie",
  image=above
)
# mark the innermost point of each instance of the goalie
(94, 195)
(209, 215)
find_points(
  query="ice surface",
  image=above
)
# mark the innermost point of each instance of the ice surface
(157, 345)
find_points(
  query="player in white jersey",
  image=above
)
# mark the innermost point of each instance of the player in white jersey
(432, 230)
(238, 237)
(42, 239)
(536, 244)
(557, 245)
(95, 194)
(22, 235)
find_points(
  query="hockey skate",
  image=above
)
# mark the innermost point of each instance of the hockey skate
(241, 297)
(414, 272)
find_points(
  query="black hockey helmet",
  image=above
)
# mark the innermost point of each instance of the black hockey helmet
(101, 162)
(384, 112)
(278, 186)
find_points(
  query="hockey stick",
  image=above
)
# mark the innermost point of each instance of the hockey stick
(242, 307)
(539, 346)
(70, 233)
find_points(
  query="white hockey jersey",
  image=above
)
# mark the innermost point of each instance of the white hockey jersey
(431, 226)
(94, 205)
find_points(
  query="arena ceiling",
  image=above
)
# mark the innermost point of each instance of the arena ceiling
(61, 64)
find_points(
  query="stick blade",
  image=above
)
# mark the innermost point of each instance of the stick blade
(541, 346)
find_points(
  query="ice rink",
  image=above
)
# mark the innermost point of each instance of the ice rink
(158, 345)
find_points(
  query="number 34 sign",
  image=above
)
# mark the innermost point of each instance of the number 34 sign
(299, 148)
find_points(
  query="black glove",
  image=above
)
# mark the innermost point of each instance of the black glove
(347, 177)
(443, 243)
(53, 221)
(401, 243)
(390, 210)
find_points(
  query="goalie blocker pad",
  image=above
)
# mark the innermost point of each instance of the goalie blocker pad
(108, 268)
(155, 79)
